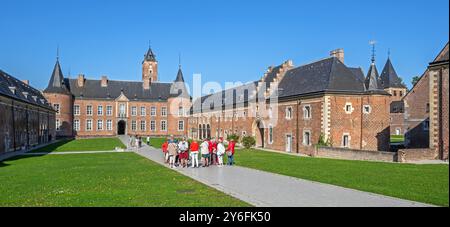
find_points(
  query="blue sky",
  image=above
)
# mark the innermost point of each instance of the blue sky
(228, 40)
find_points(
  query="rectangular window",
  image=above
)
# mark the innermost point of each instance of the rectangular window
(307, 112)
(76, 110)
(180, 111)
(89, 125)
(346, 141)
(143, 112)
(100, 125)
(289, 113)
(58, 125)
(307, 138)
(270, 134)
(109, 125)
(153, 111)
(153, 126)
(100, 110)
(143, 126)
(89, 110)
(122, 110)
(348, 108)
(367, 109)
(133, 126)
(180, 126)
(163, 125)
(164, 111)
(76, 125)
(133, 111)
(108, 110)
(56, 107)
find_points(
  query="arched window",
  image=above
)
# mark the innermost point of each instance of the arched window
(307, 112)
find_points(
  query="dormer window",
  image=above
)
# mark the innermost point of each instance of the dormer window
(34, 98)
(12, 89)
(25, 94)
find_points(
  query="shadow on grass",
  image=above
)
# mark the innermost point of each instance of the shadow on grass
(52, 147)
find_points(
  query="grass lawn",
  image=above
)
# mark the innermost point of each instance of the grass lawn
(397, 139)
(423, 183)
(157, 142)
(112, 179)
(97, 144)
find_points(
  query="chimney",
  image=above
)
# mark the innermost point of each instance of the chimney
(80, 80)
(146, 83)
(338, 53)
(27, 82)
(104, 81)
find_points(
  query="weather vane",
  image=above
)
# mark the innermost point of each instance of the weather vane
(373, 42)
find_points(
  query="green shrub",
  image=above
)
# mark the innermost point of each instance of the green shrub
(324, 143)
(233, 137)
(248, 142)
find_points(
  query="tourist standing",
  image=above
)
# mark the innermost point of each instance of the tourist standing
(213, 153)
(204, 149)
(165, 147)
(172, 150)
(220, 152)
(148, 140)
(194, 154)
(183, 147)
(230, 152)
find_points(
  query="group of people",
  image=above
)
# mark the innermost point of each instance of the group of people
(136, 141)
(182, 154)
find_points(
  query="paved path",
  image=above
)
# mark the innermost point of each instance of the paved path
(72, 152)
(267, 189)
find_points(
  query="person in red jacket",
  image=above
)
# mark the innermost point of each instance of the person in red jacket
(230, 152)
(194, 153)
(164, 148)
(214, 151)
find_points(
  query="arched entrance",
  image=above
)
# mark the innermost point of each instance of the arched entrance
(258, 133)
(121, 126)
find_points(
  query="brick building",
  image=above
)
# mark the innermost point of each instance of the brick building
(90, 108)
(26, 119)
(426, 108)
(290, 108)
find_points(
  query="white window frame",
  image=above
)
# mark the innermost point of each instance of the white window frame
(76, 110)
(89, 125)
(109, 125)
(133, 111)
(89, 110)
(100, 125)
(181, 129)
(76, 125)
(153, 125)
(164, 123)
(109, 111)
(289, 113)
(133, 125)
(307, 115)
(180, 111)
(153, 111)
(143, 125)
(351, 108)
(100, 110)
(164, 111)
(304, 142)
(143, 111)
(367, 111)
(343, 140)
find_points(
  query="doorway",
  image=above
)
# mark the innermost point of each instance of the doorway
(121, 127)
(289, 143)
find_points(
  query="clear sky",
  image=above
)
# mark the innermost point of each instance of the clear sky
(224, 40)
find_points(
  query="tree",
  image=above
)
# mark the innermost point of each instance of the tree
(248, 142)
(415, 80)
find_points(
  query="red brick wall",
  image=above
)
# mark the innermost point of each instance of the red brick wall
(445, 110)
(65, 115)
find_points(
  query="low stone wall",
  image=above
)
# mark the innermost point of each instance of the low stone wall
(413, 155)
(350, 154)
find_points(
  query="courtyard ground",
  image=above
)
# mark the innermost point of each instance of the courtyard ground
(423, 183)
(109, 179)
(96, 144)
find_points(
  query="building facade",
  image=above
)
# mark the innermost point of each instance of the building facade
(290, 109)
(426, 108)
(92, 108)
(26, 119)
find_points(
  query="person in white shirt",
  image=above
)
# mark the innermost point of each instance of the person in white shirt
(183, 147)
(204, 149)
(220, 152)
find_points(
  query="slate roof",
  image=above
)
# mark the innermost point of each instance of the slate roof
(133, 90)
(327, 75)
(389, 78)
(7, 81)
(178, 87)
(372, 81)
(359, 73)
(57, 83)
(149, 56)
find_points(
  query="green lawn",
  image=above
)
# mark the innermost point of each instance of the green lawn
(397, 139)
(157, 142)
(423, 183)
(97, 144)
(112, 179)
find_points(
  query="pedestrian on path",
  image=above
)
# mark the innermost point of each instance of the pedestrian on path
(183, 147)
(213, 153)
(230, 152)
(173, 150)
(148, 140)
(165, 147)
(204, 149)
(220, 152)
(194, 154)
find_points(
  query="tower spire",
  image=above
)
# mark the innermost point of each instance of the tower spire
(57, 53)
(179, 60)
(373, 42)
(389, 53)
